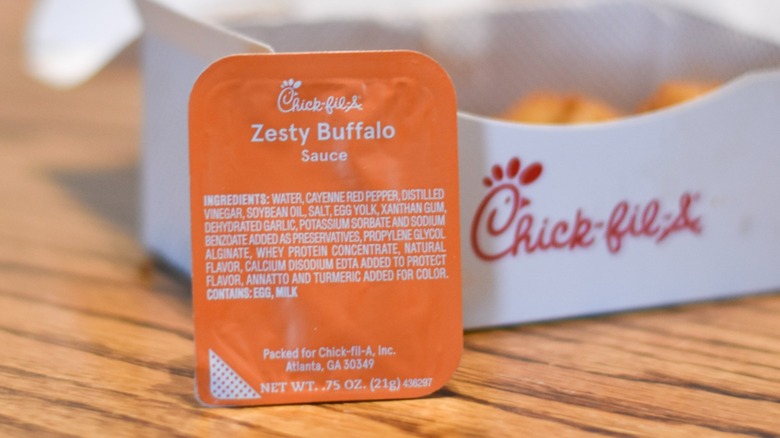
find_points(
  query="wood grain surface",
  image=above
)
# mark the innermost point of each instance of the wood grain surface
(97, 341)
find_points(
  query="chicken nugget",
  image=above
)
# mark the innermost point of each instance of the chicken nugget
(588, 110)
(552, 108)
(537, 108)
(675, 92)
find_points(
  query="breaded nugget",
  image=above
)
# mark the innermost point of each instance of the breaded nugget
(541, 108)
(551, 108)
(587, 110)
(674, 93)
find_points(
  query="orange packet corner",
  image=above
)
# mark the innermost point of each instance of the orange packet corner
(325, 228)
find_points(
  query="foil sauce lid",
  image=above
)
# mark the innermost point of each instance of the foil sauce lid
(325, 228)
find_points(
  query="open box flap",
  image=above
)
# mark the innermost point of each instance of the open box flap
(620, 51)
(68, 41)
(205, 39)
(756, 17)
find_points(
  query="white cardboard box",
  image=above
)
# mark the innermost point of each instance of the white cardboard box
(669, 207)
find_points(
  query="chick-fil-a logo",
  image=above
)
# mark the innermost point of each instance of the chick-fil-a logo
(290, 101)
(505, 226)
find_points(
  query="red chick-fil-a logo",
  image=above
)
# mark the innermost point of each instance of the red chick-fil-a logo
(290, 101)
(505, 226)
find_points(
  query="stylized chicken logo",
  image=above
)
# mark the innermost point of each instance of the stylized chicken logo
(497, 212)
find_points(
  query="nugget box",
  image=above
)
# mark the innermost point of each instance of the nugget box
(668, 207)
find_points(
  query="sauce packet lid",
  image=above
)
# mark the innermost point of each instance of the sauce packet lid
(325, 228)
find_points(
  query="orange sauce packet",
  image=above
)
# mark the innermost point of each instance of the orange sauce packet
(325, 228)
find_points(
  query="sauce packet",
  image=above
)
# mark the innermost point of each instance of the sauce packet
(326, 258)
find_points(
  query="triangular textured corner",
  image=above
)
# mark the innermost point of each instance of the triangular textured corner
(225, 383)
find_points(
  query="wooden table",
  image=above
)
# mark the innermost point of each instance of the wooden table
(96, 341)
